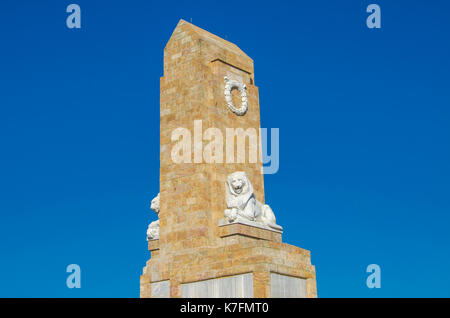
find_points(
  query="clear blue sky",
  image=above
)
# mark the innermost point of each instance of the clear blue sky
(364, 138)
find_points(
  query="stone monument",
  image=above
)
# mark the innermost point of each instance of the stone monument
(215, 236)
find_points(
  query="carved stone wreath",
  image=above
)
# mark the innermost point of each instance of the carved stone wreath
(229, 86)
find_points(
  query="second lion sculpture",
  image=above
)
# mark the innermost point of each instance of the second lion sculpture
(153, 228)
(241, 202)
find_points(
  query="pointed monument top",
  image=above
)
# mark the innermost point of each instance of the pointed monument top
(223, 49)
(208, 36)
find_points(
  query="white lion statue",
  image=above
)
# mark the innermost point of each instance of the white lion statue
(153, 228)
(241, 202)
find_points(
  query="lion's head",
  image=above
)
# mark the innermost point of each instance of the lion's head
(238, 183)
(155, 204)
(239, 189)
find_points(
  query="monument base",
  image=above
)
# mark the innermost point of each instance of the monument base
(249, 262)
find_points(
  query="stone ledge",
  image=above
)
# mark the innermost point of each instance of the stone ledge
(249, 229)
(224, 222)
(153, 245)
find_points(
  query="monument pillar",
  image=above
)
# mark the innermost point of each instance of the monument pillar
(207, 91)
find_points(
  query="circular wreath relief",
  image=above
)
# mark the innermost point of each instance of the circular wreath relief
(229, 86)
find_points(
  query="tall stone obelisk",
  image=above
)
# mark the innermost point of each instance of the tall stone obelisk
(199, 253)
